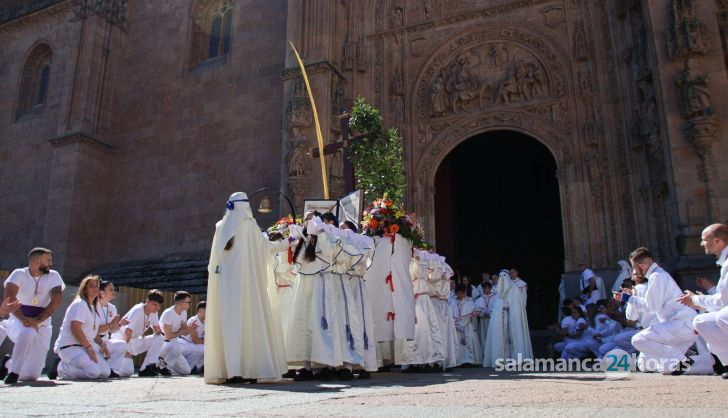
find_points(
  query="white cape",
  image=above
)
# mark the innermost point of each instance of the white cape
(427, 347)
(508, 333)
(243, 331)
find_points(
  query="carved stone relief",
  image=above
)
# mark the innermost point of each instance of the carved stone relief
(495, 67)
(113, 11)
(687, 35)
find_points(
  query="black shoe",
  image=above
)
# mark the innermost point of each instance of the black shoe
(345, 374)
(683, 366)
(3, 367)
(718, 367)
(427, 368)
(303, 375)
(326, 374)
(113, 375)
(11, 379)
(149, 371)
(289, 374)
(164, 371)
(724, 375)
(363, 374)
(413, 368)
(53, 371)
(436, 368)
(250, 381)
(385, 369)
(236, 380)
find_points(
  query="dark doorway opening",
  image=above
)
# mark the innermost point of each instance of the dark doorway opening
(498, 206)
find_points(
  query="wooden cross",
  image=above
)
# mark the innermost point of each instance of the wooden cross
(334, 147)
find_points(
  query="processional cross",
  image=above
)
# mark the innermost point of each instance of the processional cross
(343, 145)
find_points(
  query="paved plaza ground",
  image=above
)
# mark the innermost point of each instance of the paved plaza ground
(464, 392)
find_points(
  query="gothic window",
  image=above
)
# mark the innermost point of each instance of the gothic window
(34, 80)
(211, 30)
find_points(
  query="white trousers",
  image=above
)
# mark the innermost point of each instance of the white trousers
(665, 343)
(194, 354)
(76, 364)
(713, 327)
(173, 354)
(150, 344)
(119, 363)
(30, 349)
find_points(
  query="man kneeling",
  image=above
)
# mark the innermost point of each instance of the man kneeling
(140, 317)
(174, 326)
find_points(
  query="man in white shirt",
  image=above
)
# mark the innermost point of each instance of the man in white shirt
(174, 326)
(671, 334)
(39, 290)
(713, 326)
(195, 342)
(141, 317)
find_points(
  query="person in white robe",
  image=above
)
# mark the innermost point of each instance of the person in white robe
(671, 334)
(39, 290)
(427, 348)
(174, 325)
(520, 285)
(361, 249)
(465, 314)
(320, 332)
(195, 342)
(713, 325)
(485, 306)
(391, 294)
(81, 357)
(508, 333)
(439, 289)
(6, 307)
(244, 335)
(625, 271)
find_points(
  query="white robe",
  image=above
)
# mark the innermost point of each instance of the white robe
(625, 273)
(285, 279)
(485, 306)
(522, 288)
(390, 289)
(465, 316)
(243, 331)
(323, 321)
(508, 334)
(427, 347)
(439, 287)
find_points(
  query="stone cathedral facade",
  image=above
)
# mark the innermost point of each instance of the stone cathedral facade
(126, 124)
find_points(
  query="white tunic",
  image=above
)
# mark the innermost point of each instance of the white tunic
(79, 311)
(285, 279)
(172, 318)
(508, 333)
(107, 314)
(138, 322)
(439, 288)
(465, 315)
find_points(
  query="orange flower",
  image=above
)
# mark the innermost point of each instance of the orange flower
(388, 203)
(393, 229)
(373, 223)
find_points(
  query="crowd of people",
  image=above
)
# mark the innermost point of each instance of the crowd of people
(673, 331)
(321, 301)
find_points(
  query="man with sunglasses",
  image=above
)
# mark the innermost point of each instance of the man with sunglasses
(174, 326)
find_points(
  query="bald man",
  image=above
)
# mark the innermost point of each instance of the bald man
(713, 326)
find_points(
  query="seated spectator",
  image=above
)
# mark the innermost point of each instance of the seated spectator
(195, 352)
(572, 329)
(174, 325)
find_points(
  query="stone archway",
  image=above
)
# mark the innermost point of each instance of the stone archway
(434, 154)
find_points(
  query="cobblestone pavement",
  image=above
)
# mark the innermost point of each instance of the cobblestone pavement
(464, 392)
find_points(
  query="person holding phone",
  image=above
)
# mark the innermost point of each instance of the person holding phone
(671, 334)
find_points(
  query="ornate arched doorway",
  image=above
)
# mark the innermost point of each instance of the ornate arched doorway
(498, 205)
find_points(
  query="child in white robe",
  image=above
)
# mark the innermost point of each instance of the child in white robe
(465, 315)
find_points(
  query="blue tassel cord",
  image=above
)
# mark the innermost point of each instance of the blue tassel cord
(324, 324)
(363, 317)
(349, 336)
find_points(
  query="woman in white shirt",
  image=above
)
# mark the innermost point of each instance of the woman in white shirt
(81, 357)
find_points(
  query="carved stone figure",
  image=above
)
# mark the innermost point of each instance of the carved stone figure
(694, 92)
(297, 159)
(581, 46)
(498, 55)
(438, 97)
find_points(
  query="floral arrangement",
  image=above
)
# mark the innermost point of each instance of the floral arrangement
(281, 225)
(386, 218)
